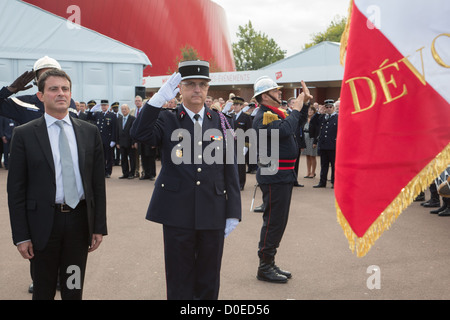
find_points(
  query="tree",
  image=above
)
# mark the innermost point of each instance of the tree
(255, 50)
(188, 53)
(332, 33)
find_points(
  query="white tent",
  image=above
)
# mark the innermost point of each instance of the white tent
(100, 67)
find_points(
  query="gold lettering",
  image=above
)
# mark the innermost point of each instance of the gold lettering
(385, 84)
(436, 56)
(372, 89)
(420, 76)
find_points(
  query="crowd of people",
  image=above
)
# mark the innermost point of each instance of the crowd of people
(53, 136)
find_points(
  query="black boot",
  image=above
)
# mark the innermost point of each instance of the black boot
(285, 273)
(266, 272)
(439, 210)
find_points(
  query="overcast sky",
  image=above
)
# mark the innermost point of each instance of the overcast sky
(289, 22)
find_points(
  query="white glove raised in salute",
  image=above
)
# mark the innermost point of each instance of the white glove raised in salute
(168, 91)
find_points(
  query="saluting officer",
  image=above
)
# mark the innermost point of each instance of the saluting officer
(277, 185)
(25, 108)
(106, 122)
(197, 203)
(326, 141)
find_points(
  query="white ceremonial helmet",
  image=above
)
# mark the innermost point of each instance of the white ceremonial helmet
(45, 63)
(264, 84)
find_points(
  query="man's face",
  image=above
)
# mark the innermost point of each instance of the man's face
(329, 108)
(125, 110)
(194, 92)
(105, 107)
(208, 102)
(82, 107)
(138, 102)
(56, 96)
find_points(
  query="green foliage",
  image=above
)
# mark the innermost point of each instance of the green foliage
(255, 50)
(332, 33)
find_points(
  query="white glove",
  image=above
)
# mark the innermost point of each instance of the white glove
(112, 144)
(97, 108)
(168, 91)
(230, 225)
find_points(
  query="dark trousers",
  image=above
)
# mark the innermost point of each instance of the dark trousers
(242, 175)
(128, 156)
(193, 259)
(327, 158)
(277, 201)
(65, 255)
(108, 153)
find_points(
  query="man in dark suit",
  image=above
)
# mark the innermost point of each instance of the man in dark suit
(57, 215)
(198, 203)
(327, 124)
(125, 144)
(242, 121)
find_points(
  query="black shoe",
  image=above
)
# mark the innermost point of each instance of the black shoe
(259, 209)
(131, 176)
(420, 197)
(433, 204)
(285, 273)
(426, 202)
(439, 210)
(123, 177)
(266, 272)
(320, 185)
(144, 178)
(444, 213)
(30, 288)
(298, 185)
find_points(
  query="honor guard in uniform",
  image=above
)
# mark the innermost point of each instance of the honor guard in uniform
(326, 142)
(277, 184)
(197, 202)
(25, 108)
(106, 123)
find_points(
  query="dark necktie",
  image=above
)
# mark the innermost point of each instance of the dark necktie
(196, 117)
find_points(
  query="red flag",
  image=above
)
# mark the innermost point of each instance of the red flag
(394, 116)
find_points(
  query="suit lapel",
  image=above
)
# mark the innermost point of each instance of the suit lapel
(44, 141)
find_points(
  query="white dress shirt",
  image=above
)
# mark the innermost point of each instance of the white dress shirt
(192, 114)
(53, 133)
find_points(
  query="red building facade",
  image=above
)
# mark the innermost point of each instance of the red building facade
(159, 28)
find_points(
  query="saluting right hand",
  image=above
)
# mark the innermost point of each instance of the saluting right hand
(21, 83)
(168, 91)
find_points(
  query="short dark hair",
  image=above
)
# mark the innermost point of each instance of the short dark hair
(52, 73)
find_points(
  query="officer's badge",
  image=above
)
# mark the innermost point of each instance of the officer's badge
(216, 138)
(209, 115)
(182, 115)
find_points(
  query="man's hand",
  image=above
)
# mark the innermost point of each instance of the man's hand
(21, 83)
(96, 240)
(167, 92)
(308, 96)
(26, 249)
(298, 103)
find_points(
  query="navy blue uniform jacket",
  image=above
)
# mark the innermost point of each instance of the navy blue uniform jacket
(194, 196)
(288, 144)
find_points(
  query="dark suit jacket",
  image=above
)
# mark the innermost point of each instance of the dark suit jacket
(193, 196)
(31, 181)
(123, 136)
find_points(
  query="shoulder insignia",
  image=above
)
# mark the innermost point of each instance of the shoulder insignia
(269, 117)
(24, 104)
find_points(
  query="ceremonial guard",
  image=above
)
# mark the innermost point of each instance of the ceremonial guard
(106, 123)
(198, 203)
(327, 122)
(25, 108)
(276, 177)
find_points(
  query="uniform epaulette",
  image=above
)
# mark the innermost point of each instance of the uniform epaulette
(269, 117)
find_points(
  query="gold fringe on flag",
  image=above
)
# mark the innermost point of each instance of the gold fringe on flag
(344, 37)
(407, 195)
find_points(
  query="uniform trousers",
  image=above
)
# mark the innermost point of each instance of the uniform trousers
(193, 260)
(108, 153)
(277, 201)
(327, 158)
(64, 256)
